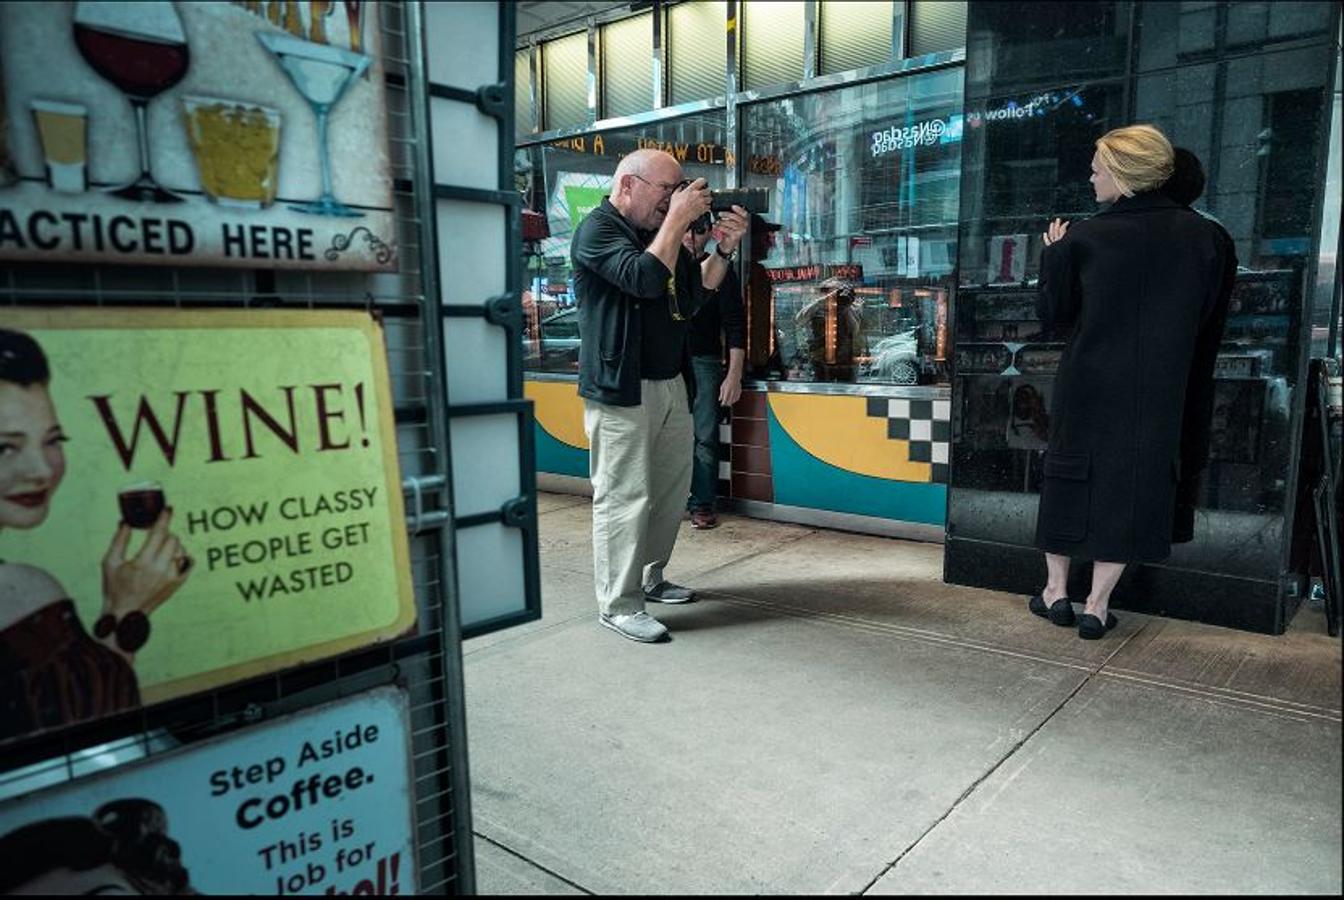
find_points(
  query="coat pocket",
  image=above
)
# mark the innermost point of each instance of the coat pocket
(1066, 495)
(611, 333)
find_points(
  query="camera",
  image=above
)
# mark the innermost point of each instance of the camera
(753, 200)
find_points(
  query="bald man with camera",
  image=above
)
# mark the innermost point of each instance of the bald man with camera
(637, 289)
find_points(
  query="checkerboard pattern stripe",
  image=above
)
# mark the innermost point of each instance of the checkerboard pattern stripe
(725, 452)
(925, 424)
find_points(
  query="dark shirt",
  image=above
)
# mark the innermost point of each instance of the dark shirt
(52, 673)
(663, 342)
(625, 311)
(720, 319)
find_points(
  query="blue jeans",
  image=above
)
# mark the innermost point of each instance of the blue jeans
(708, 372)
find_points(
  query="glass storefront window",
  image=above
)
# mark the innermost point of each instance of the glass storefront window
(565, 65)
(857, 33)
(522, 92)
(937, 25)
(560, 183)
(627, 66)
(1026, 158)
(864, 186)
(697, 49)
(772, 42)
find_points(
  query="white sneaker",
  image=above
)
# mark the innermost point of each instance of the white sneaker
(638, 626)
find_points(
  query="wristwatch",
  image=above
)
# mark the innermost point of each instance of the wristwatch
(718, 249)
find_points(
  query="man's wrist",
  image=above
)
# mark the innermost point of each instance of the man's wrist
(718, 250)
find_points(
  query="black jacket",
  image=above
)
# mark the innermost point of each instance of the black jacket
(1195, 426)
(1145, 285)
(613, 279)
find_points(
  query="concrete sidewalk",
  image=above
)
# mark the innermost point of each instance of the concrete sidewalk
(832, 718)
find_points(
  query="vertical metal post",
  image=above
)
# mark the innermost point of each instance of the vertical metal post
(534, 84)
(730, 91)
(592, 70)
(1298, 411)
(658, 89)
(898, 27)
(1333, 341)
(450, 642)
(1214, 168)
(809, 39)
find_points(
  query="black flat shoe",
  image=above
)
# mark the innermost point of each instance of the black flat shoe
(1060, 612)
(1091, 629)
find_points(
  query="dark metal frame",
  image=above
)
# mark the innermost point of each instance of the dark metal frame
(503, 311)
(427, 663)
(1289, 601)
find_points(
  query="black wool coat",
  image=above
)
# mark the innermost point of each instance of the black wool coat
(1144, 285)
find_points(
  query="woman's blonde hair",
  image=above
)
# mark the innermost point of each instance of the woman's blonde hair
(1138, 157)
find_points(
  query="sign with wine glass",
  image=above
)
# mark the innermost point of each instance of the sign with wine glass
(248, 134)
(229, 503)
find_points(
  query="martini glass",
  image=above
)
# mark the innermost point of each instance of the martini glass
(140, 48)
(320, 73)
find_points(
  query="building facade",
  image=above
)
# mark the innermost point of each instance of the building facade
(914, 151)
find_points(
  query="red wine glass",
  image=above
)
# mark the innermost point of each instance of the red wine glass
(142, 49)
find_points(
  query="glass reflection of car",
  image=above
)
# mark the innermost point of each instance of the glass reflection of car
(559, 345)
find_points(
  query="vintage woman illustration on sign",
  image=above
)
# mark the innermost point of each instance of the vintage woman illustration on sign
(123, 848)
(52, 670)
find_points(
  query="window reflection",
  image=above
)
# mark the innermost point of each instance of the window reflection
(1212, 77)
(855, 284)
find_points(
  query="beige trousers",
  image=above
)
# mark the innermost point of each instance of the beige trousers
(640, 463)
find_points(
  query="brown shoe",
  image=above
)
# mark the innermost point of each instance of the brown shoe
(704, 519)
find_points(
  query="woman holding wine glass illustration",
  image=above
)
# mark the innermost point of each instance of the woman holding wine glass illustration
(53, 671)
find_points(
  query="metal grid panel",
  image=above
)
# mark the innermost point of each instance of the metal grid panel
(417, 663)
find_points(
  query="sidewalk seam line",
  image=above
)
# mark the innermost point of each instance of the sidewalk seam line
(1268, 705)
(1092, 673)
(1212, 693)
(755, 553)
(533, 863)
(897, 631)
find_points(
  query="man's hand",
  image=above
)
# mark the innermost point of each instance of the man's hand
(730, 390)
(688, 204)
(730, 227)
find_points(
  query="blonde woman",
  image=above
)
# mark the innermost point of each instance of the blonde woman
(1138, 283)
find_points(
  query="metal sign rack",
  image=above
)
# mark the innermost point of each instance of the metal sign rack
(427, 665)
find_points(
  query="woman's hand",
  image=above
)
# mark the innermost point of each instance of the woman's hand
(1054, 231)
(143, 583)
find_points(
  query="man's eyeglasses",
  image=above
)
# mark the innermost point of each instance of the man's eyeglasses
(663, 185)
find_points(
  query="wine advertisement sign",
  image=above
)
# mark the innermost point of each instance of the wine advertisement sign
(314, 803)
(190, 498)
(249, 134)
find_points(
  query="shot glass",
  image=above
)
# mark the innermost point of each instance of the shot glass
(62, 128)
